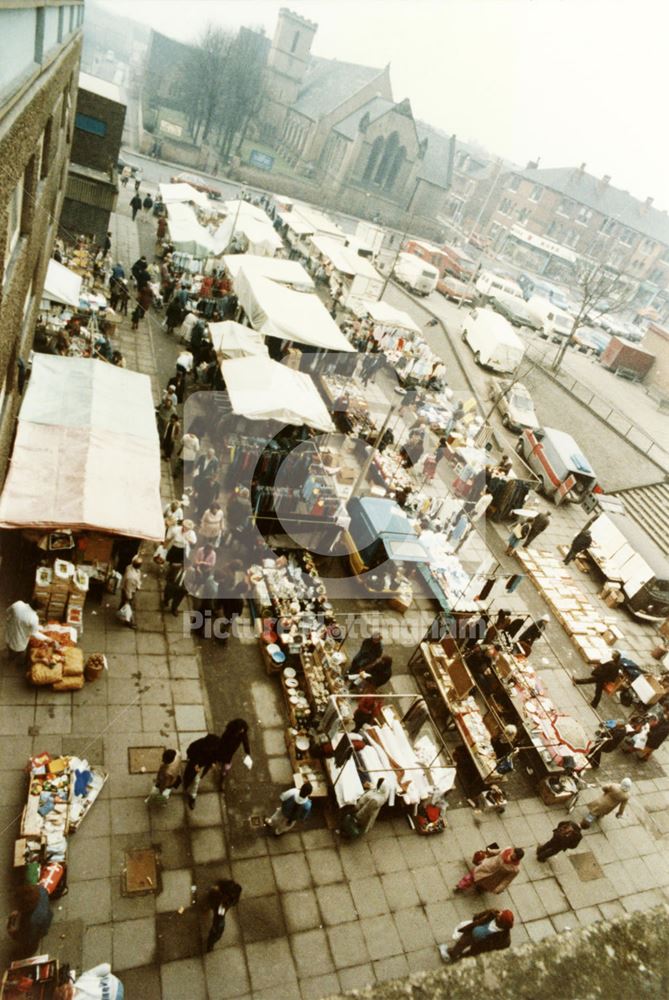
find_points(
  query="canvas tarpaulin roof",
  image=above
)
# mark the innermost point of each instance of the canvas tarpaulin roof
(234, 340)
(278, 311)
(181, 193)
(262, 389)
(381, 312)
(344, 259)
(252, 223)
(186, 233)
(61, 285)
(86, 453)
(286, 272)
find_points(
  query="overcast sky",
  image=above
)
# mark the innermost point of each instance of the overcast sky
(569, 81)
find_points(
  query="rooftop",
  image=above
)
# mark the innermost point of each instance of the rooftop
(328, 83)
(596, 193)
(376, 108)
(101, 87)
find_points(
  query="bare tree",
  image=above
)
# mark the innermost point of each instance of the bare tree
(601, 290)
(203, 80)
(243, 86)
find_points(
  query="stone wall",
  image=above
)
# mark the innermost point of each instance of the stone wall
(625, 959)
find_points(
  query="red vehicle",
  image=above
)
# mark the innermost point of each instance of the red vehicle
(199, 183)
(627, 360)
(458, 291)
(428, 252)
(458, 263)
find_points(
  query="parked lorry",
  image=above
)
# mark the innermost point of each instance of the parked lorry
(627, 360)
(417, 275)
(493, 341)
(553, 323)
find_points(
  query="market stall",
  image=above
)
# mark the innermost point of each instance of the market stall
(250, 225)
(278, 311)
(262, 389)
(61, 285)
(234, 340)
(179, 194)
(188, 236)
(285, 272)
(358, 279)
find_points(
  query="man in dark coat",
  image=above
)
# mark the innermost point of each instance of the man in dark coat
(135, 205)
(209, 750)
(609, 740)
(565, 835)
(489, 930)
(601, 675)
(221, 897)
(370, 651)
(537, 525)
(580, 543)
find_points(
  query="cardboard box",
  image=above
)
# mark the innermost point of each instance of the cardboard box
(649, 689)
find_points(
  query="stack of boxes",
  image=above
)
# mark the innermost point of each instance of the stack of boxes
(59, 594)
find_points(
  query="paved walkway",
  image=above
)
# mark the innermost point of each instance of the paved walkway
(317, 915)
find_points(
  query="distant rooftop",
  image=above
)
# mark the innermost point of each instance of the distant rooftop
(101, 87)
(328, 83)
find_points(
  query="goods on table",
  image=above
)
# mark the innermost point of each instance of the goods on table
(55, 659)
(590, 631)
(60, 592)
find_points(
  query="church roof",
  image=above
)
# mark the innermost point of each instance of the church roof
(437, 165)
(375, 108)
(328, 83)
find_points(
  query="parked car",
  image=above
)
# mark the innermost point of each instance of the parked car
(199, 183)
(514, 403)
(493, 341)
(553, 323)
(415, 274)
(515, 310)
(480, 242)
(492, 286)
(588, 339)
(456, 290)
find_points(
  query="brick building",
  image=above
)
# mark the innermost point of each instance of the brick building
(548, 219)
(92, 182)
(41, 46)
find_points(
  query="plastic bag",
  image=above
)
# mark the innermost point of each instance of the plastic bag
(124, 613)
(159, 555)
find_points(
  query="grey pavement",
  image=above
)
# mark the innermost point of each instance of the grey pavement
(317, 915)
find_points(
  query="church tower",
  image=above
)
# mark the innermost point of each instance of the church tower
(286, 65)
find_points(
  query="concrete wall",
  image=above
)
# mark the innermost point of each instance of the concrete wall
(97, 151)
(24, 126)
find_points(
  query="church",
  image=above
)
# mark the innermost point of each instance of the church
(338, 124)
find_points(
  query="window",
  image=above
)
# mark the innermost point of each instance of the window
(523, 215)
(28, 195)
(536, 193)
(46, 149)
(506, 206)
(656, 276)
(14, 209)
(514, 182)
(565, 207)
(61, 11)
(72, 10)
(626, 236)
(89, 124)
(39, 34)
(608, 226)
(584, 216)
(296, 39)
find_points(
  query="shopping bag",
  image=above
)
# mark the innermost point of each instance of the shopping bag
(159, 555)
(124, 613)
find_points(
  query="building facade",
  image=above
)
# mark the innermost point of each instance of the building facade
(41, 47)
(550, 219)
(92, 181)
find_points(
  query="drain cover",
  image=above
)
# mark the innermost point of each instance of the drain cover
(256, 821)
(587, 866)
(140, 873)
(143, 760)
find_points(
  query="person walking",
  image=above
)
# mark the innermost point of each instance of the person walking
(370, 651)
(202, 754)
(614, 796)
(489, 930)
(579, 543)
(135, 204)
(602, 674)
(565, 836)
(294, 807)
(147, 205)
(167, 779)
(537, 525)
(369, 805)
(211, 525)
(180, 581)
(138, 177)
(494, 872)
(170, 436)
(131, 582)
(222, 896)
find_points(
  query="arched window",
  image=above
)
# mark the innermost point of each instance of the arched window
(373, 158)
(395, 167)
(392, 142)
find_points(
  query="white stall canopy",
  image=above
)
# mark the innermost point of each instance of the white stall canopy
(250, 222)
(381, 312)
(278, 311)
(86, 453)
(234, 340)
(61, 285)
(186, 233)
(262, 389)
(286, 272)
(183, 193)
(344, 259)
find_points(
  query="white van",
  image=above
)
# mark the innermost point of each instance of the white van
(491, 287)
(492, 340)
(418, 276)
(554, 324)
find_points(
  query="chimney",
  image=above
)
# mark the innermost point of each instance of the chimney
(532, 165)
(649, 202)
(581, 169)
(606, 180)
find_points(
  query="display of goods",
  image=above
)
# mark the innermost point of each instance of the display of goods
(63, 570)
(74, 662)
(80, 581)
(70, 683)
(51, 875)
(95, 664)
(43, 577)
(40, 674)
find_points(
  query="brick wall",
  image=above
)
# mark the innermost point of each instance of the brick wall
(98, 151)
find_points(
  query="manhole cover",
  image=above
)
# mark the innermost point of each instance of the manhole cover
(143, 760)
(256, 821)
(140, 873)
(587, 866)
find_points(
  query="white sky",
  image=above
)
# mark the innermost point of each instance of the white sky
(570, 81)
